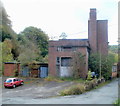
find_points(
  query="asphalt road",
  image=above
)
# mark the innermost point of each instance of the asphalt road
(33, 94)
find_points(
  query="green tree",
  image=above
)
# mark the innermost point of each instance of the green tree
(5, 25)
(106, 64)
(6, 31)
(28, 52)
(113, 48)
(63, 35)
(93, 62)
(7, 55)
(38, 37)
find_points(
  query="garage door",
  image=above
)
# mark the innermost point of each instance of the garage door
(43, 72)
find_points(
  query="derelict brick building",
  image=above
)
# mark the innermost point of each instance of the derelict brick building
(61, 51)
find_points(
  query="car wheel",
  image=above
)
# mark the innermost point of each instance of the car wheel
(5, 86)
(22, 83)
(14, 86)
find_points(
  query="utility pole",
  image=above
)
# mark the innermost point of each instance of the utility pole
(100, 63)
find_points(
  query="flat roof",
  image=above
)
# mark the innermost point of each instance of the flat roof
(70, 39)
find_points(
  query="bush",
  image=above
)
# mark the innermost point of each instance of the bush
(89, 76)
(106, 64)
(81, 88)
(117, 102)
(90, 84)
(74, 90)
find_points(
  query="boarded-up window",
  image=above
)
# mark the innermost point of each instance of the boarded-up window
(66, 61)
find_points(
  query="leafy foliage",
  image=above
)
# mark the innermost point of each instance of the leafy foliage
(1, 58)
(5, 25)
(33, 65)
(38, 37)
(106, 64)
(73, 90)
(7, 55)
(94, 62)
(29, 46)
(113, 48)
(89, 75)
(7, 32)
(117, 102)
(78, 62)
(28, 52)
(33, 45)
(63, 35)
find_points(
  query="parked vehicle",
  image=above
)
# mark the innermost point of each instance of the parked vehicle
(13, 82)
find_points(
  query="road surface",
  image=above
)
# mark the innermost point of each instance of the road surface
(104, 95)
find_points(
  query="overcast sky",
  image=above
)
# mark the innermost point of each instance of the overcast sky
(57, 16)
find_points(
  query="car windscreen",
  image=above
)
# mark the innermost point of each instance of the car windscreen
(8, 80)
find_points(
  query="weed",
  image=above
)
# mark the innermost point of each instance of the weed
(83, 87)
(61, 79)
(66, 78)
(51, 78)
(117, 102)
(73, 90)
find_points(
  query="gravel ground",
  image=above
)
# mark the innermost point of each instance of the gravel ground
(42, 92)
(33, 89)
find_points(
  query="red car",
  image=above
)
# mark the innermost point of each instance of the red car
(13, 82)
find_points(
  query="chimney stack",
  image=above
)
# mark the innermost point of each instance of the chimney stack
(93, 14)
(97, 33)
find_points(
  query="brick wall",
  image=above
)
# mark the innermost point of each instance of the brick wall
(54, 53)
(102, 36)
(10, 68)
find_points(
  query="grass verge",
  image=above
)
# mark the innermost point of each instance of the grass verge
(51, 78)
(62, 79)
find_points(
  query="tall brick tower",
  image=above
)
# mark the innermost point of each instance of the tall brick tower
(97, 33)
